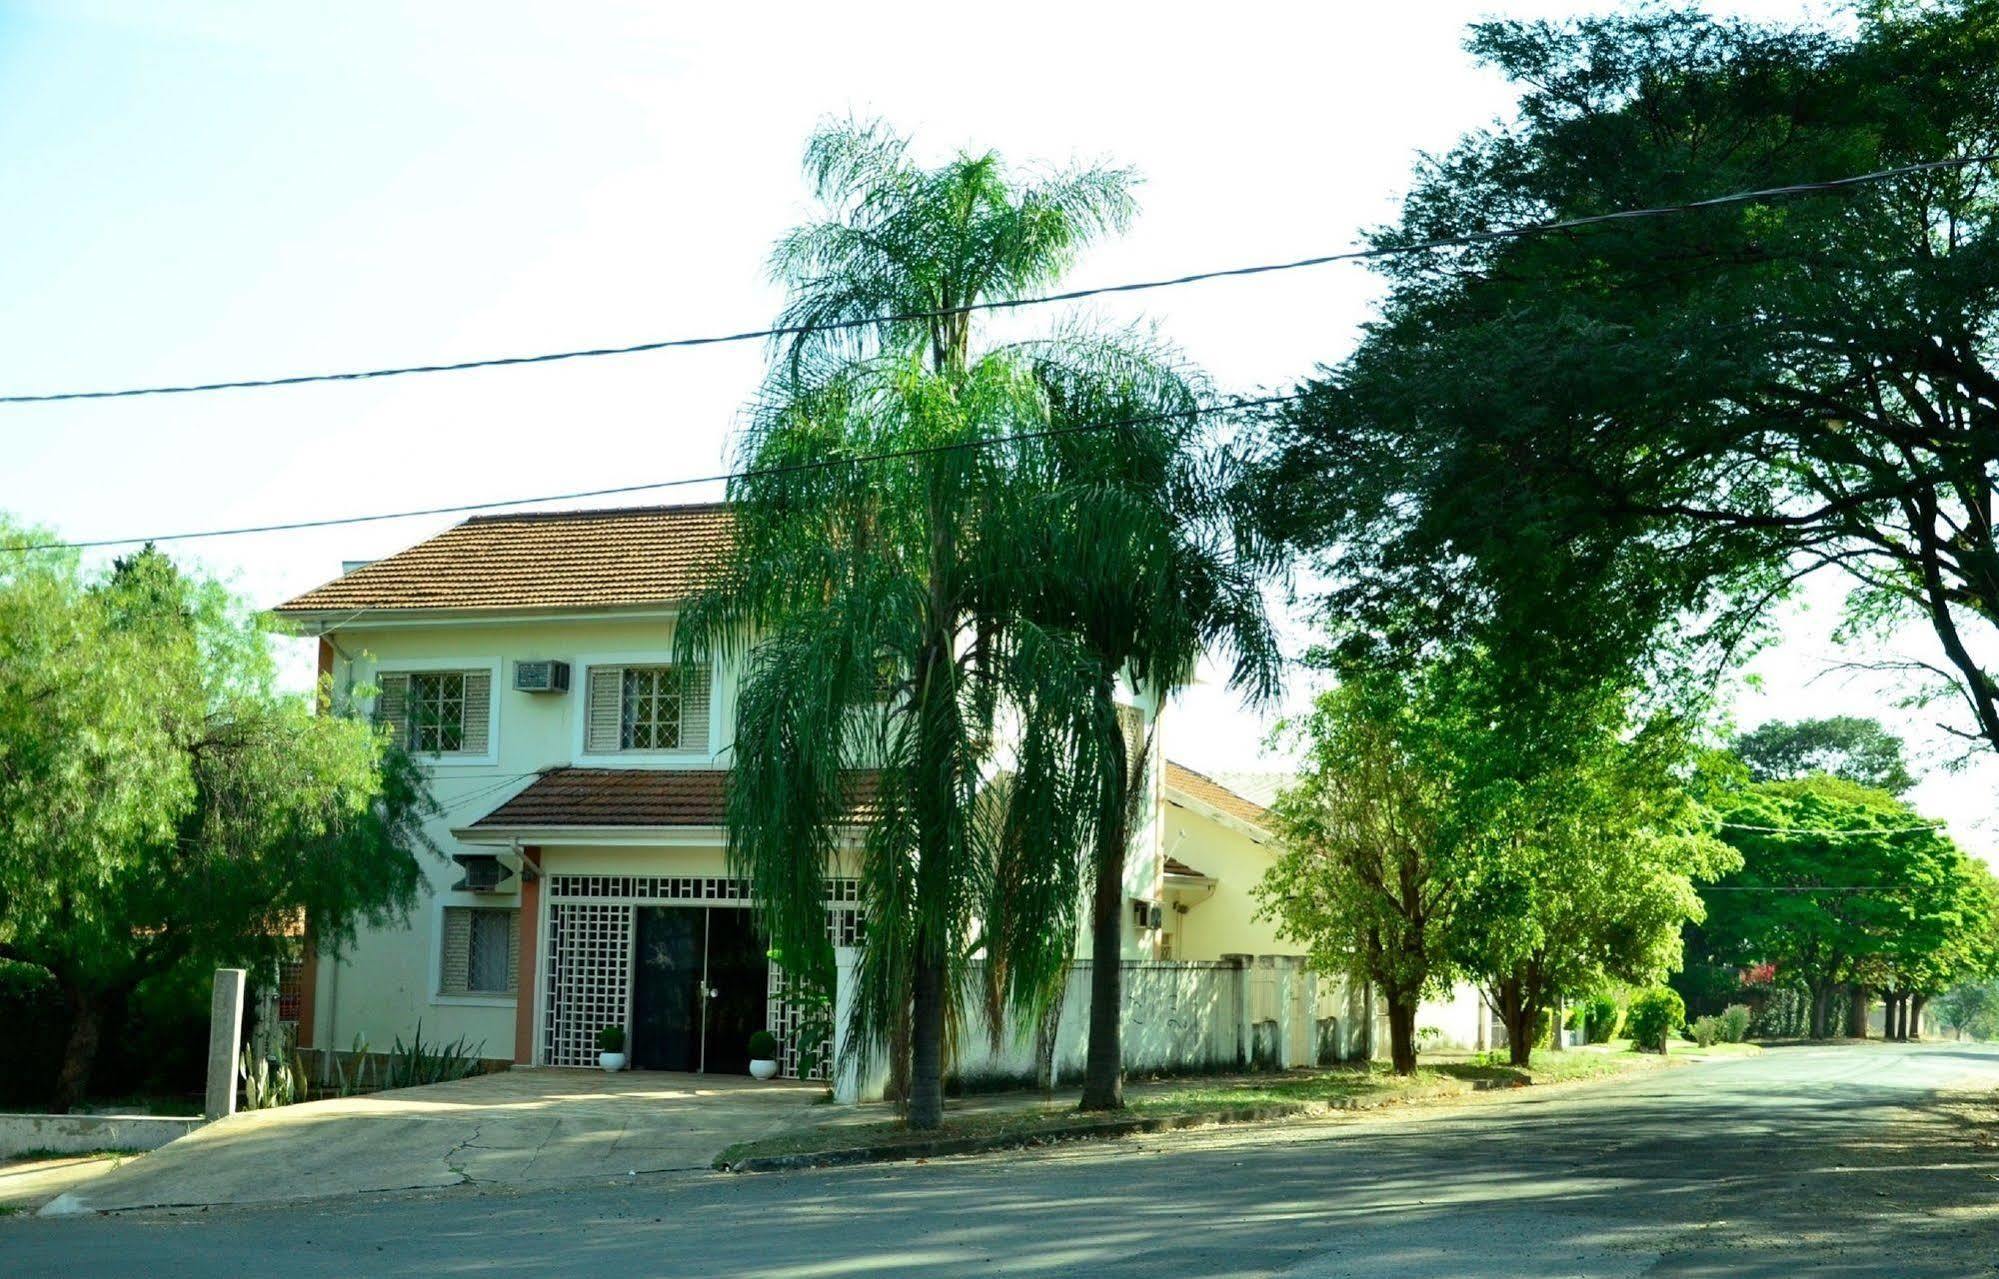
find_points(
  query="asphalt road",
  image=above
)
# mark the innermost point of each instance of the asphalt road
(1848, 1161)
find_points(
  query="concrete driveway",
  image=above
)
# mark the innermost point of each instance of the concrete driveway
(517, 1128)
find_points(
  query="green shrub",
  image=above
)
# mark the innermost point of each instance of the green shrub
(611, 1039)
(1597, 1016)
(1654, 1015)
(1734, 1023)
(1706, 1031)
(763, 1046)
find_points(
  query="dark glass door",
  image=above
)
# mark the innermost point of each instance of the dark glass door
(738, 989)
(676, 946)
(666, 989)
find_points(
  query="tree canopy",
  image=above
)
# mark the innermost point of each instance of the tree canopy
(1595, 449)
(1843, 884)
(165, 803)
(1848, 746)
(1586, 872)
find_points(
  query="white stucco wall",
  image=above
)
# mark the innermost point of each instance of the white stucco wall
(388, 980)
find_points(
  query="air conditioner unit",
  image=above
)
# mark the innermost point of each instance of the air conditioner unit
(1147, 914)
(541, 677)
(484, 874)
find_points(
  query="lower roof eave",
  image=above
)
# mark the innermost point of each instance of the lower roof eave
(508, 836)
(603, 836)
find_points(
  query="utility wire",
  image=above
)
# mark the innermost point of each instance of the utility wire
(1854, 831)
(753, 473)
(1464, 240)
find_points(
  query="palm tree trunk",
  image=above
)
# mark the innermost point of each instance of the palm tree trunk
(1103, 1073)
(926, 1048)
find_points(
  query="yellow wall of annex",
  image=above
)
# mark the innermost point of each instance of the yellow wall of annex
(1204, 925)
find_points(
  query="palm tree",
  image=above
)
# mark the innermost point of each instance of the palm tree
(874, 606)
(1152, 559)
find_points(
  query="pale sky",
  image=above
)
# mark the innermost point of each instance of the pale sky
(211, 190)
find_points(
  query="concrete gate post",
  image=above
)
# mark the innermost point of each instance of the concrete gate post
(1244, 1041)
(225, 1042)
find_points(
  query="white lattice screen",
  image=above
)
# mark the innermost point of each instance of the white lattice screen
(590, 956)
(589, 978)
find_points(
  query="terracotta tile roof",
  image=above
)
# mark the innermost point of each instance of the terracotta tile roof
(541, 559)
(1174, 866)
(617, 797)
(622, 797)
(1205, 789)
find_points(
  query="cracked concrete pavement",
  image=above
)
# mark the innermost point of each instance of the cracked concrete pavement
(518, 1128)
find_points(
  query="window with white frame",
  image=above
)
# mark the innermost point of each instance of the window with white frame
(481, 951)
(647, 708)
(437, 712)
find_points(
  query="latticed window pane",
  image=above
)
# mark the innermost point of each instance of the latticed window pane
(487, 967)
(437, 712)
(651, 720)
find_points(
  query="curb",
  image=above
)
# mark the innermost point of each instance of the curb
(1131, 1125)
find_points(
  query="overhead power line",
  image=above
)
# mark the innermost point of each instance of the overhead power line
(820, 464)
(1465, 240)
(1854, 831)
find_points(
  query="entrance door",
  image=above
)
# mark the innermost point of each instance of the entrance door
(688, 957)
(738, 990)
(666, 989)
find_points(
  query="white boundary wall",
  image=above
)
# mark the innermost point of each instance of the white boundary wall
(1242, 1012)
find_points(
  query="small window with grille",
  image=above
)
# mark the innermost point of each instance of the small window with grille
(654, 707)
(651, 719)
(437, 712)
(481, 950)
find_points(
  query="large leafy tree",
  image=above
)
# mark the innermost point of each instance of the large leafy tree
(169, 804)
(1843, 885)
(1588, 447)
(1849, 746)
(1377, 859)
(1586, 871)
(894, 616)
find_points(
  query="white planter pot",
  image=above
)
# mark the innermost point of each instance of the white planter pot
(763, 1068)
(611, 1061)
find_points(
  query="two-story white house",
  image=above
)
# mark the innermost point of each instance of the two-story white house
(527, 660)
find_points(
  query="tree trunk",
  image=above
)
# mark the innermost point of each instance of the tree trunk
(1856, 1010)
(1916, 1003)
(1402, 1033)
(1103, 1074)
(1518, 1019)
(926, 1049)
(79, 1054)
(1045, 1032)
(1821, 1009)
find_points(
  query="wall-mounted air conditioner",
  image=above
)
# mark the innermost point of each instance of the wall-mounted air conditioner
(541, 677)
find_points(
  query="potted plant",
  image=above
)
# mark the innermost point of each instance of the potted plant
(611, 1048)
(763, 1054)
